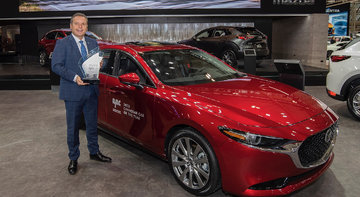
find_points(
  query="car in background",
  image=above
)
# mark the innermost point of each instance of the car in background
(216, 127)
(47, 43)
(343, 79)
(228, 42)
(335, 46)
(333, 39)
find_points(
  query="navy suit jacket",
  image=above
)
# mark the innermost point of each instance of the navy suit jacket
(65, 60)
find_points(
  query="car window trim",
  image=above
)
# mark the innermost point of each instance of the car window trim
(136, 62)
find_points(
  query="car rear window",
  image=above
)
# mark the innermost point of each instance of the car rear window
(251, 31)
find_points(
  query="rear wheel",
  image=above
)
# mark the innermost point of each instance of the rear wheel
(43, 59)
(353, 102)
(229, 57)
(193, 162)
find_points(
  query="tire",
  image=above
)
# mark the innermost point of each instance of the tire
(353, 102)
(229, 57)
(43, 58)
(197, 172)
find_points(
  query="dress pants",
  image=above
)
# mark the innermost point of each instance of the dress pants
(74, 109)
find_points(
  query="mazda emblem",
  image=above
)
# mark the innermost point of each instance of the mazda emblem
(329, 135)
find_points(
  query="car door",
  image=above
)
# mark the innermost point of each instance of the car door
(205, 41)
(50, 41)
(218, 41)
(129, 109)
(106, 70)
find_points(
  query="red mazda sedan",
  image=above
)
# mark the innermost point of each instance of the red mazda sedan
(215, 126)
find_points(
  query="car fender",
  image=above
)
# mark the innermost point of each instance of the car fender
(232, 46)
(349, 84)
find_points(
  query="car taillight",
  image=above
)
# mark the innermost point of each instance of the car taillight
(338, 58)
(242, 37)
(331, 93)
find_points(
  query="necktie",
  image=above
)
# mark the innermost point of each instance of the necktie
(83, 50)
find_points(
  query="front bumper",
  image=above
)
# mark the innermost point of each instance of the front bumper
(259, 173)
(335, 96)
(249, 171)
(287, 185)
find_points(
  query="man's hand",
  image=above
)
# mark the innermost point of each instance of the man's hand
(80, 82)
(101, 64)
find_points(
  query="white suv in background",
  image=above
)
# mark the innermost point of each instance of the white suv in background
(343, 79)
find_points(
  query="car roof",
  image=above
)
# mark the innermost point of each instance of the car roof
(227, 27)
(61, 29)
(147, 46)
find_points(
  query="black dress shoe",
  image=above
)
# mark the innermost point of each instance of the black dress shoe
(100, 157)
(72, 168)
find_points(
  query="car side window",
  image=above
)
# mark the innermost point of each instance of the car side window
(204, 34)
(219, 33)
(124, 64)
(59, 35)
(108, 62)
(51, 35)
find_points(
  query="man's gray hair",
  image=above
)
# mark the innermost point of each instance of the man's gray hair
(78, 14)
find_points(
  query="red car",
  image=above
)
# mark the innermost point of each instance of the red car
(47, 43)
(216, 127)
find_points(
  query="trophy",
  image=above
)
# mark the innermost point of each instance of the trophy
(90, 68)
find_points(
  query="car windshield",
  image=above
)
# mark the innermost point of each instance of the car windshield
(188, 67)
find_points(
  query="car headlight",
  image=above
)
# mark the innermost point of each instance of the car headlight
(257, 141)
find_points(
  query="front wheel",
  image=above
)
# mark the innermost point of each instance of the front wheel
(229, 57)
(353, 102)
(193, 162)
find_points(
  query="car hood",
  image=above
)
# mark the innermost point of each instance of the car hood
(254, 101)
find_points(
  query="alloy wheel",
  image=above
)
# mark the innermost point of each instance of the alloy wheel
(353, 102)
(190, 163)
(42, 58)
(356, 103)
(229, 57)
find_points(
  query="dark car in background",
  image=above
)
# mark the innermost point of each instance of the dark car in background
(47, 43)
(229, 42)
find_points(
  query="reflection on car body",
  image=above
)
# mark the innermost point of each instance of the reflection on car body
(215, 126)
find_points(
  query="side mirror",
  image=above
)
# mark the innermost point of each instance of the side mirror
(131, 79)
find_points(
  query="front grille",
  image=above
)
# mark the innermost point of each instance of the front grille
(315, 146)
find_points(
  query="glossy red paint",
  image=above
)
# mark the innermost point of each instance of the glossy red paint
(252, 104)
(129, 78)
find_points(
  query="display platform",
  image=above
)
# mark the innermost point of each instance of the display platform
(266, 68)
(18, 76)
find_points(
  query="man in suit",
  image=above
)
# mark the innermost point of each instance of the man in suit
(80, 98)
